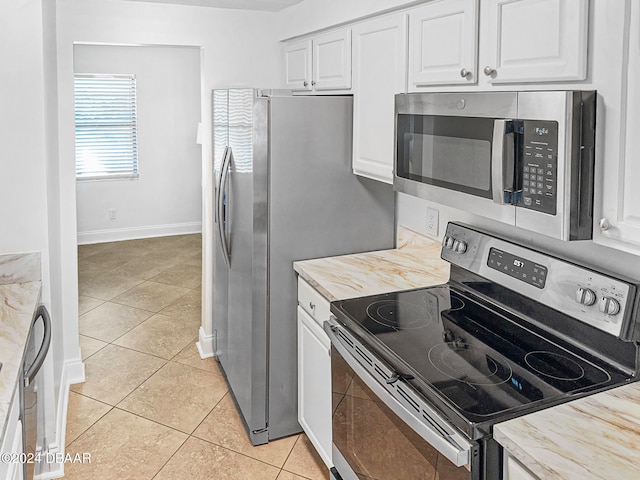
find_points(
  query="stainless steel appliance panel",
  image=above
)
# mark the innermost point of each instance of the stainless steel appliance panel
(317, 208)
(556, 283)
(476, 104)
(558, 106)
(533, 167)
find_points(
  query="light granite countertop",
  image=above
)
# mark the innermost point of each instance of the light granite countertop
(414, 263)
(592, 438)
(20, 289)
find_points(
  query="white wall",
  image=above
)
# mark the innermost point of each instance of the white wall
(166, 199)
(28, 157)
(23, 188)
(312, 15)
(238, 48)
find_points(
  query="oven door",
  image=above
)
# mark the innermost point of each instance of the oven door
(382, 429)
(457, 150)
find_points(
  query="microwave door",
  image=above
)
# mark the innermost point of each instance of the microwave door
(461, 162)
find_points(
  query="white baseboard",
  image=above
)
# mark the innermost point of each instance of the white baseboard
(132, 233)
(72, 372)
(204, 344)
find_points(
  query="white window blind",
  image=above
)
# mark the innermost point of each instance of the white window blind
(106, 126)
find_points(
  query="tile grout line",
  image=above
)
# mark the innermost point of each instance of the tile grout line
(174, 359)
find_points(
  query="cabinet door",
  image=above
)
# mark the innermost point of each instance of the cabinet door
(534, 40)
(16, 470)
(11, 443)
(619, 195)
(332, 60)
(443, 43)
(314, 384)
(297, 65)
(513, 470)
(379, 72)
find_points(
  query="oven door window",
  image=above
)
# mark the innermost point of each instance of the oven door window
(374, 441)
(446, 151)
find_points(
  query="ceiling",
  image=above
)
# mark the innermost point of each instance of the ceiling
(266, 5)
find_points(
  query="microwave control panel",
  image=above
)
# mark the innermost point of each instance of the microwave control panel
(539, 166)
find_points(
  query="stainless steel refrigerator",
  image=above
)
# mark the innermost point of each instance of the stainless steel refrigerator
(284, 191)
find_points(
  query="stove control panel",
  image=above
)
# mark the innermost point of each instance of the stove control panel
(595, 298)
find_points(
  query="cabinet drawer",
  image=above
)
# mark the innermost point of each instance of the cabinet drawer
(312, 302)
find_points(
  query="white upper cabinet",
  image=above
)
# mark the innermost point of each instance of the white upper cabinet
(443, 44)
(332, 60)
(297, 65)
(618, 197)
(379, 72)
(322, 62)
(534, 40)
(517, 41)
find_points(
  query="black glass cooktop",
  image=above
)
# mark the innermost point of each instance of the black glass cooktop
(475, 358)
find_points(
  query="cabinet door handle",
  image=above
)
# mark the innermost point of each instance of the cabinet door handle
(312, 305)
(305, 84)
(313, 83)
(464, 73)
(488, 71)
(604, 224)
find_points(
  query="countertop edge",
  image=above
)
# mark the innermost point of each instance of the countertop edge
(593, 437)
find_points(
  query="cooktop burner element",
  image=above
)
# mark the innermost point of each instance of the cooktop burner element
(554, 365)
(398, 315)
(468, 364)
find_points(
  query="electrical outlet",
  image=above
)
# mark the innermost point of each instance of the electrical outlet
(432, 221)
(113, 214)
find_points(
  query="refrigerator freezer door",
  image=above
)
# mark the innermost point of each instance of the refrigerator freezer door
(246, 366)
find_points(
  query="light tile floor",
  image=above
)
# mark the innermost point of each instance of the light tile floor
(151, 408)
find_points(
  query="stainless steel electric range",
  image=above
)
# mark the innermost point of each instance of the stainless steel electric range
(420, 377)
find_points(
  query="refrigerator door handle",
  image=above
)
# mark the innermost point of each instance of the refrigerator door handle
(221, 209)
(33, 370)
(218, 185)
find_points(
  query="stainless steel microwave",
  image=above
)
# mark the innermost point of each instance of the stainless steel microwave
(523, 158)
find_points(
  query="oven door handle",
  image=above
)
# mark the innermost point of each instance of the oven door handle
(453, 445)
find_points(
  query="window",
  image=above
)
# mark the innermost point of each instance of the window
(106, 127)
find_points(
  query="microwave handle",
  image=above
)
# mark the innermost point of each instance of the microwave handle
(502, 162)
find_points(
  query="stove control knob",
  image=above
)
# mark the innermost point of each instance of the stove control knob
(447, 242)
(609, 305)
(585, 296)
(460, 246)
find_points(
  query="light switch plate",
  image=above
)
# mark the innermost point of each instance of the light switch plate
(432, 221)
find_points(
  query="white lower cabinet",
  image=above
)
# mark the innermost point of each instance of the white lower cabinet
(314, 371)
(11, 468)
(513, 469)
